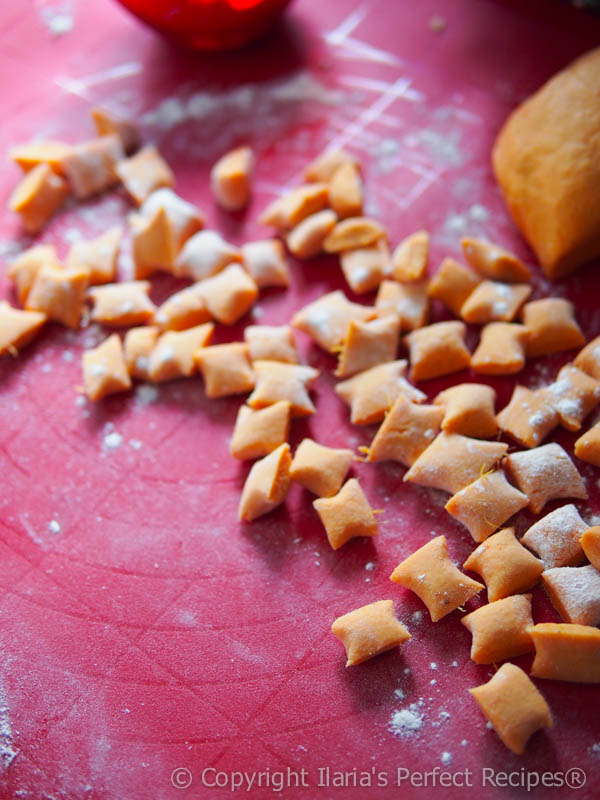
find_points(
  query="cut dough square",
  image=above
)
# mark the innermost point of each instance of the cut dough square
(276, 381)
(407, 301)
(345, 191)
(484, 505)
(369, 631)
(271, 343)
(437, 349)
(37, 197)
(588, 359)
(452, 461)
(320, 469)
(528, 418)
(306, 239)
(555, 537)
(545, 473)
(104, 369)
(574, 395)
(32, 154)
(91, 167)
(205, 254)
(452, 284)
(492, 301)
(352, 233)
(258, 432)
(174, 354)
(18, 328)
(287, 211)
(183, 218)
(59, 294)
(182, 310)
(108, 124)
(469, 410)
(409, 260)
(365, 267)
(152, 245)
(505, 565)
(368, 344)
(590, 542)
(229, 294)
(551, 325)
(346, 515)
(231, 179)
(137, 346)
(226, 369)
(324, 167)
(587, 447)
(493, 261)
(501, 349)
(431, 575)
(266, 264)
(566, 652)
(500, 629)
(407, 430)
(98, 256)
(23, 270)
(144, 173)
(575, 593)
(326, 319)
(516, 709)
(372, 392)
(267, 484)
(122, 304)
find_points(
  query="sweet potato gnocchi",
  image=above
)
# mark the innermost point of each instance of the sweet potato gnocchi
(407, 430)
(369, 631)
(346, 515)
(267, 484)
(566, 652)
(320, 469)
(500, 629)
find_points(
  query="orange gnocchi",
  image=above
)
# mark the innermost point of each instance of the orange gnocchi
(258, 432)
(271, 343)
(226, 369)
(18, 328)
(469, 410)
(493, 261)
(174, 353)
(551, 326)
(368, 344)
(326, 320)
(320, 469)
(500, 629)
(104, 369)
(501, 349)
(231, 179)
(575, 593)
(566, 652)
(267, 484)
(437, 349)
(122, 304)
(144, 173)
(369, 631)
(556, 537)
(409, 260)
(407, 301)
(528, 418)
(346, 515)
(365, 267)
(276, 381)
(452, 285)
(407, 430)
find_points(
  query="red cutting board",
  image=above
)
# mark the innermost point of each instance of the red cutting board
(147, 631)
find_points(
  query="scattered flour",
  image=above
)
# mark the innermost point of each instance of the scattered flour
(113, 440)
(369, 566)
(135, 444)
(407, 721)
(146, 394)
(58, 17)
(54, 526)
(446, 758)
(7, 749)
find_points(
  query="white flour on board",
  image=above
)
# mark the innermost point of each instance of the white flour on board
(7, 750)
(58, 17)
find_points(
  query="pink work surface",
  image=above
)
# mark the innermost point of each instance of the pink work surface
(142, 628)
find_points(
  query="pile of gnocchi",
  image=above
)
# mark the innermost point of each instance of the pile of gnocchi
(451, 443)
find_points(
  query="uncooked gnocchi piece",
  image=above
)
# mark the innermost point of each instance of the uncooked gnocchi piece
(152, 245)
(514, 706)
(104, 369)
(452, 284)
(23, 270)
(174, 354)
(500, 629)
(98, 256)
(551, 326)
(231, 179)
(326, 319)
(18, 328)
(91, 167)
(587, 447)
(287, 211)
(574, 395)
(37, 197)
(368, 344)
(501, 349)
(324, 167)
(431, 575)
(122, 304)
(492, 301)
(265, 262)
(484, 505)
(320, 469)
(137, 346)
(59, 294)
(545, 473)
(183, 218)
(32, 154)
(306, 239)
(528, 418)
(555, 537)
(369, 631)
(226, 369)
(588, 359)
(407, 430)
(276, 381)
(437, 349)
(258, 432)
(590, 542)
(452, 462)
(108, 124)
(493, 261)
(469, 410)
(566, 652)
(205, 254)
(407, 301)
(346, 515)
(345, 191)
(271, 343)
(229, 294)
(409, 260)
(575, 593)
(366, 267)
(352, 233)
(505, 565)
(267, 484)
(372, 392)
(184, 309)
(144, 173)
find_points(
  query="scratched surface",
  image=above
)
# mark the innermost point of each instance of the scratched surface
(141, 628)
